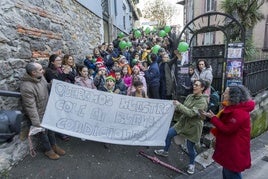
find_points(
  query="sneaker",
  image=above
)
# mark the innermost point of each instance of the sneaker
(191, 169)
(161, 152)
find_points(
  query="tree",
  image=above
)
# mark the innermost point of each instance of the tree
(158, 10)
(248, 14)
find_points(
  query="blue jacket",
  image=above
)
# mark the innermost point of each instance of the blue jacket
(152, 75)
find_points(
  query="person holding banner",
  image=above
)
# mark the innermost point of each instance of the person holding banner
(34, 93)
(189, 123)
(56, 70)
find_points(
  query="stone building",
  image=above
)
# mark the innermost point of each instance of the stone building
(33, 30)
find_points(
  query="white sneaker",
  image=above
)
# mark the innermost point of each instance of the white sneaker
(191, 169)
(161, 152)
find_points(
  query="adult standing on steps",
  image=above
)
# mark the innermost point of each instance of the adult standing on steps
(34, 93)
(232, 132)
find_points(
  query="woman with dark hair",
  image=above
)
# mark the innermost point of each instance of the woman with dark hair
(203, 71)
(189, 123)
(55, 70)
(232, 131)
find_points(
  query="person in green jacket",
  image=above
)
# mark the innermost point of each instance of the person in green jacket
(189, 123)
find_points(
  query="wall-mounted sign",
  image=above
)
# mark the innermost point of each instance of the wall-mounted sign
(234, 64)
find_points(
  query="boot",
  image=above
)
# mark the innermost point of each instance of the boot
(58, 150)
(52, 155)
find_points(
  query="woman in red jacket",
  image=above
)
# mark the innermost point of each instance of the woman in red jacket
(232, 131)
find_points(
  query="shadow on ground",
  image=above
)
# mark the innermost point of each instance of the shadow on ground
(89, 159)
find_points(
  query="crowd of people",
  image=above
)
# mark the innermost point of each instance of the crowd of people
(137, 70)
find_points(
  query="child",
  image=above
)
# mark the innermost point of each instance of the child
(83, 78)
(110, 85)
(99, 80)
(89, 62)
(126, 76)
(139, 92)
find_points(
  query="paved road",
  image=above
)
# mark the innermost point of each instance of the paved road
(88, 159)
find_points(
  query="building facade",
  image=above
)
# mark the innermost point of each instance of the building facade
(194, 8)
(32, 30)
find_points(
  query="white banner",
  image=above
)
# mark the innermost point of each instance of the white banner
(106, 117)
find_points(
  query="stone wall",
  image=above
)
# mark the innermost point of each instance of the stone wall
(259, 117)
(34, 29)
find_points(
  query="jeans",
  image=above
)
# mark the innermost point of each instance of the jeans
(190, 145)
(47, 139)
(171, 133)
(191, 151)
(228, 174)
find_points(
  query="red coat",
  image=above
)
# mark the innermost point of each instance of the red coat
(232, 149)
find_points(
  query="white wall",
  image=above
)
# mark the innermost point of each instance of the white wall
(94, 7)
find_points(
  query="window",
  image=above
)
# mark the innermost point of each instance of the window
(209, 38)
(210, 5)
(265, 43)
(124, 22)
(115, 8)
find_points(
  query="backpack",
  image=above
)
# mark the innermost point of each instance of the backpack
(214, 101)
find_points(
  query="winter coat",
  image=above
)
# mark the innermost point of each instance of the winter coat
(152, 75)
(189, 123)
(166, 82)
(121, 86)
(232, 149)
(86, 82)
(205, 74)
(53, 73)
(34, 93)
(90, 64)
(99, 82)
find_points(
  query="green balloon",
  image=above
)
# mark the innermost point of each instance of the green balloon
(167, 29)
(129, 44)
(121, 34)
(156, 49)
(137, 34)
(147, 30)
(134, 61)
(162, 33)
(183, 47)
(122, 44)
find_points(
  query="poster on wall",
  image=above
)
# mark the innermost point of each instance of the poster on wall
(234, 52)
(183, 81)
(234, 68)
(234, 64)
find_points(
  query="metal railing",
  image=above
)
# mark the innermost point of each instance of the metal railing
(10, 94)
(255, 76)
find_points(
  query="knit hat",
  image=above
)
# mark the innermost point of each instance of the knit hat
(102, 67)
(110, 78)
(99, 60)
(136, 66)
